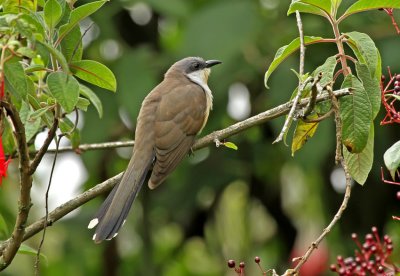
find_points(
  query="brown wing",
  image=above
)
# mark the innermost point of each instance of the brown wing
(179, 117)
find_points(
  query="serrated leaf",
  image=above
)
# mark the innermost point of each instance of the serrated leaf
(360, 164)
(94, 73)
(391, 157)
(364, 5)
(16, 78)
(65, 89)
(367, 52)
(77, 15)
(356, 115)
(92, 97)
(286, 51)
(71, 45)
(27, 250)
(371, 86)
(52, 13)
(311, 6)
(230, 145)
(303, 132)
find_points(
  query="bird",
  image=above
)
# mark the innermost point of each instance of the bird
(170, 117)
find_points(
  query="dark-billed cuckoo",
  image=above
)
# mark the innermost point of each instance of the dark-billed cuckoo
(170, 117)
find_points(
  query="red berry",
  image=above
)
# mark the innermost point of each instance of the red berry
(241, 265)
(398, 195)
(389, 248)
(374, 229)
(396, 88)
(369, 237)
(231, 263)
(333, 268)
(398, 77)
(381, 269)
(257, 259)
(354, 236)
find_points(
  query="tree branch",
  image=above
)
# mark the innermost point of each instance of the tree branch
(9, 248)
(107, 185)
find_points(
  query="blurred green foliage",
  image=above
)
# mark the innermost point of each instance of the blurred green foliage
(219, 204)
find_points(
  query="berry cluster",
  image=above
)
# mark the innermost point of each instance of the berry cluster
(240, 270)
(390, 94)
(371, 258)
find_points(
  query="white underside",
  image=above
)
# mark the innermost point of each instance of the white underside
(200, 77)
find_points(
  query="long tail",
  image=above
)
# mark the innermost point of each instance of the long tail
(114, 210)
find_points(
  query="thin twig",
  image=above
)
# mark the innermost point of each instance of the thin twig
(313, 97)
(302, 84)
(343, 206)
(107, 185)
(42, 151)
(9, 248)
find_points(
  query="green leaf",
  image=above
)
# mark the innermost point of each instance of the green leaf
(15, 78)
(92, 97)
(38, 113)
(58, 55)
(303, 132)
(32, 126)
(319, 7)
(367, 52)
(364, 5)
(360, 164)
(230, 145)
(26, 52)
(371, 86)
(94, 73)
(27, 250)
(67, 127)
(71, 45)
(77, 15)
(286, 51)
(82, 104)
(327, 69)
(52, 13)
(4, 232)
(356, 115)
(392, 158)
(65, 89)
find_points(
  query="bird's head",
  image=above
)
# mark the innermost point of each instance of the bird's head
(195, 68)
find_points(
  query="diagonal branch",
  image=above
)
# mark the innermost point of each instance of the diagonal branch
(107, 185)
(9, 248)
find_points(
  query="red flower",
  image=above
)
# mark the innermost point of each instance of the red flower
(3, 162)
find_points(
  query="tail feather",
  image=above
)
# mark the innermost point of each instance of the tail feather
(114, 210)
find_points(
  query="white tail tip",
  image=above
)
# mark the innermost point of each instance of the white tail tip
(93, 223)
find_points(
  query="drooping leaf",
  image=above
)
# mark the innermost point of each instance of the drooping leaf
(360, 164)
(67, 127)
(38, 113)
(15, 78)
(57, 54)
(230, 145)
(77, 15)
(303, 132)
(27, 250)
(327, 69)
(94, 73)
(71, 45)
(392, 158)
(52, 13)
(32, 126)
(319, 7)
(286, 51)
(364, 5)
(92, 97)
(82, 104)
(26, 52)
(64, 88)
(366, 50)
(356, 115)
(371, 86)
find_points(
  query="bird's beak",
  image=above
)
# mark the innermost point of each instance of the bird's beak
(210, 63)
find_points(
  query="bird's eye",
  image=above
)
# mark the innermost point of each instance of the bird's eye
(196, 65)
